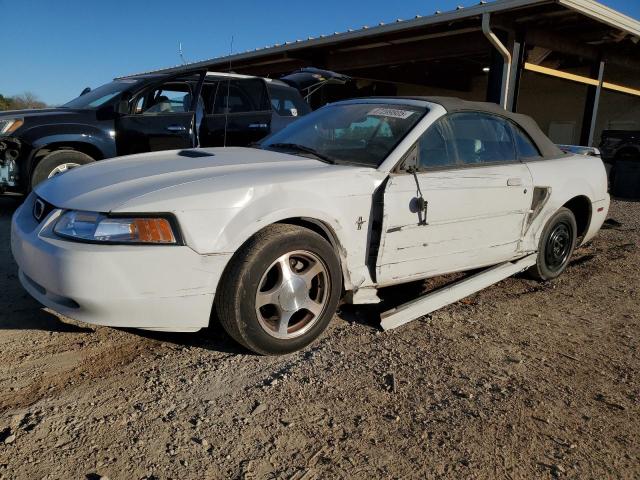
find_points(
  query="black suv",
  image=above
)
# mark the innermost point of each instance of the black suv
(620, 145)
(149, 112)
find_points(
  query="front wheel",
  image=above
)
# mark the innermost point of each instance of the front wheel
(56, 163)
(280, 290)
(557, 242)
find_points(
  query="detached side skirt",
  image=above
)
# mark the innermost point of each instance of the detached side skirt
(444, 296)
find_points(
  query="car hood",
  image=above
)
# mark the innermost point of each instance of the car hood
(39, 112)
(123, 183)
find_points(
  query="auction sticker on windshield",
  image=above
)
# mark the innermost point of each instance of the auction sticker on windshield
(391, 112)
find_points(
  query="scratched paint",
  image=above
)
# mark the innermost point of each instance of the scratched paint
(476, 217)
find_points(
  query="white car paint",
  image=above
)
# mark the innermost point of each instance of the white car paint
(476, 217)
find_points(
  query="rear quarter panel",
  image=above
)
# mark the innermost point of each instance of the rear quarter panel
(568, 177)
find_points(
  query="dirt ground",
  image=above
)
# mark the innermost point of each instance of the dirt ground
(522, 380)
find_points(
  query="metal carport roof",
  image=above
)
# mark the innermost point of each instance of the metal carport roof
(589, 8)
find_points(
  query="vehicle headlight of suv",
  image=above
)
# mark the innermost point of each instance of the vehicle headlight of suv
(99, 228)
(10, 125)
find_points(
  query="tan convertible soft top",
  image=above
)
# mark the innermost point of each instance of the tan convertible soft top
(451, 104)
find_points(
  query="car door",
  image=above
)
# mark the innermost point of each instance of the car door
(161, 117)
(476, 198)
(238, 114)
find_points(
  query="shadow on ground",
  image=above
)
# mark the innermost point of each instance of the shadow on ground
(213, 338)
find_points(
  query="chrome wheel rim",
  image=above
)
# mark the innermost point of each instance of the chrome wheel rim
(62, 168)
(292, 294)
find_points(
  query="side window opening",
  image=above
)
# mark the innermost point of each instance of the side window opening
(435, 147)
(287, 102)
(167, 98)
(481, 138)
(525, 147)
(139, 105)
(243, 96)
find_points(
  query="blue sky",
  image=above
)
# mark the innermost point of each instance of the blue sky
(54, 48)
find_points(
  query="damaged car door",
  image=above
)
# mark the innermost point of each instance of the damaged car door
(457, 201)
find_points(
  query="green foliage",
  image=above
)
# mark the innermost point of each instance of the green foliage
(21, 102)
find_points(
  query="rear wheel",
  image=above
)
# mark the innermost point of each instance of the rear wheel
(557, 242)
(56, 163)
(280, 290)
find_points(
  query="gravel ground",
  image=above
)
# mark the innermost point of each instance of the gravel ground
(523, 380)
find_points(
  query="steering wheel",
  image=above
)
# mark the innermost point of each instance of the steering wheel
(378, 145)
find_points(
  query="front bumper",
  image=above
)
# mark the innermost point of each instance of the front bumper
(167, 288)
(9, 154)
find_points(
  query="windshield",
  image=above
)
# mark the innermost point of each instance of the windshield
(101, 95)
(361, 133)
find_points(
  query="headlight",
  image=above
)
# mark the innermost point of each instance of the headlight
(10, 125)
(97, 227)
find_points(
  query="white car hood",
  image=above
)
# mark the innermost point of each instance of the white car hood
(106, 185)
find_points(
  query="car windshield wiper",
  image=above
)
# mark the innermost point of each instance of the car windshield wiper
(304, 149)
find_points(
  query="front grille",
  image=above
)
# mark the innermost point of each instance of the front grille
(41, 209)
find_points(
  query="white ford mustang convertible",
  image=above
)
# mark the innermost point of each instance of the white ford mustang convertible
(358, 195)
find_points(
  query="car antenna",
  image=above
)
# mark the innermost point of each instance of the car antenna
(226, 108)
(184, 62)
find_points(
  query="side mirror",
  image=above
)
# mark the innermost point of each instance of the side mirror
(85, 91)
(122, 107)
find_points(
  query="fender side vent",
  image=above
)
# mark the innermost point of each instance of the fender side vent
(540, 197)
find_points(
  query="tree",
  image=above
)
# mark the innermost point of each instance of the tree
(21, 102)
(27, 100)
(4, 103)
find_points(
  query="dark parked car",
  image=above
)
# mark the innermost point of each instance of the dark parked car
(620, 145)
(150, 112)
(621, 151)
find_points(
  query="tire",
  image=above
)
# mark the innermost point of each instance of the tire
(557, 242)
(254, 300)
(46, 168)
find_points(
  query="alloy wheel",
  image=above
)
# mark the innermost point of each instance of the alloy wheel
(62, 168)
(292, 294)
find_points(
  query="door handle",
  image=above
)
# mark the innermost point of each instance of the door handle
(177, 128)
(514, 182)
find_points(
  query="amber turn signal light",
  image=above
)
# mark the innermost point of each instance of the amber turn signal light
(152, 230)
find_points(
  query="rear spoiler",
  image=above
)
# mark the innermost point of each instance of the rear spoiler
(580, 150)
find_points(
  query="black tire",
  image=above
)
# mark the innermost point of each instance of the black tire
(557, 242)
(48, 164)
(236, 298)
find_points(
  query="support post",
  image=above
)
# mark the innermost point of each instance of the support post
(592, 103)
(517, 67)
(498, 88)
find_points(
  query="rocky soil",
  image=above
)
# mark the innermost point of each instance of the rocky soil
(523, 380)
